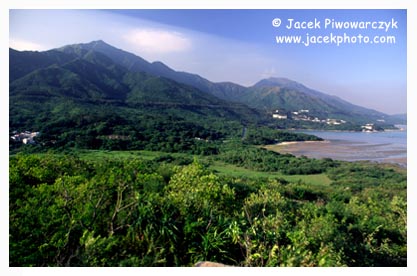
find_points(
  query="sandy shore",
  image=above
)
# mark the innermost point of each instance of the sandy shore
(297, 146)
(347, 151)
(299, 143)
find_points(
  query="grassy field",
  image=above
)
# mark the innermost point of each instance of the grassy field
(230, 170)
(92, 155)
(219, 167)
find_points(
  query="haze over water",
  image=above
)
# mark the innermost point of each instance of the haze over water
(387, 147)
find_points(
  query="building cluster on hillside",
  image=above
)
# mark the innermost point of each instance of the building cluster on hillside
(279, 116)
(335, 122)
(25, 137)
(303, 115)
(368, 128)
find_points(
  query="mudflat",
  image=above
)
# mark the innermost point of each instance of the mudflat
(343, 150)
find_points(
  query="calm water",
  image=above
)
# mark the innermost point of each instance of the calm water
(389, 146)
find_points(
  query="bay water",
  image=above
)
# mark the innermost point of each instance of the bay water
(384, 146)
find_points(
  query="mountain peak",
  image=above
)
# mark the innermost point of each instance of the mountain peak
(98, 43)
(275, 81)
(93, 45)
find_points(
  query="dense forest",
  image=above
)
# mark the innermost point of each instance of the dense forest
(139, 208)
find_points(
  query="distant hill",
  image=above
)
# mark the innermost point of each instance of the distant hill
(22, 63)
(400, 118)
(81, 97)
(285, 94)
(103, 91)
(268, 95)
(227, 90)
(81, 72)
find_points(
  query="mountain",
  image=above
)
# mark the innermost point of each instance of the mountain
(268, 95)
(226, 90)
(400, 118)
(103, 91)
(100, 71)
(82, 98)
(25, 62)
(288, 95)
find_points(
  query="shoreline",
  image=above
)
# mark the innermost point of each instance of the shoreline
(298, 142)
(343, 151)
(401, 129)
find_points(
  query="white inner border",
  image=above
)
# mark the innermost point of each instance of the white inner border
(212, 4)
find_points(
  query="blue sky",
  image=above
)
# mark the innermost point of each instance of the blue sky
(240, 46)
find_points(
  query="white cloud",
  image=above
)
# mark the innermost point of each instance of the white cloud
(24, 45)
(158, 41)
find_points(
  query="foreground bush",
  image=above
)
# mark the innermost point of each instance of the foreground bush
(68, 212)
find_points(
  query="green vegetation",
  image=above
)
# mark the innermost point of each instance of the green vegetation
(259, 159)
(141, 208)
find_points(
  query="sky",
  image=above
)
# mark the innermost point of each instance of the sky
(241, 45)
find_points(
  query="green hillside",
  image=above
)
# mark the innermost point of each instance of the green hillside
(91, 102)
(290, 96)
(297, 95)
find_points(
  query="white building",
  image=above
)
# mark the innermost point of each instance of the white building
(279, 116)
(25, 137)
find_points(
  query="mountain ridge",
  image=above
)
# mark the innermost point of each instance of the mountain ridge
(82, 98)
(137, 64)
(262, 95)
(250, 95)
(332, 102)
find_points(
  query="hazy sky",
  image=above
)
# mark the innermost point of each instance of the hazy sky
(241, 45)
